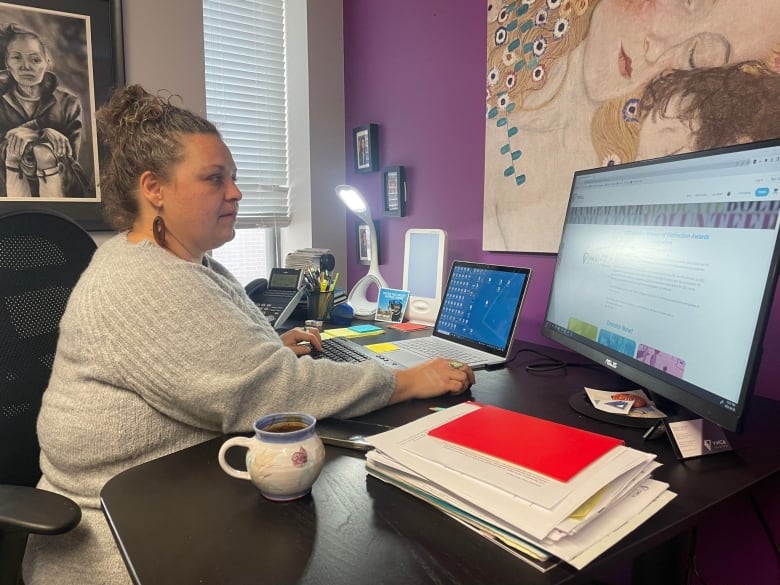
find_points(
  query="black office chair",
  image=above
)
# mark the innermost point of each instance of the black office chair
(42, 255)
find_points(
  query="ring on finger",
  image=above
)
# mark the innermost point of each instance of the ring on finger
(456, 365)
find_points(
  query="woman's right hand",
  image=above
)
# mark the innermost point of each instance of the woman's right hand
(302, 339)
(16, 140)
(432, 378)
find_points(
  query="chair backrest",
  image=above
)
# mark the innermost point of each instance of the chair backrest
(42, 255)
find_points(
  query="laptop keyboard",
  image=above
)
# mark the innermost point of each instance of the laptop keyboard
(431, 347)
(336, 350)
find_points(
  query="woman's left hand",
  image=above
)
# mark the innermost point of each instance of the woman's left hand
(59, 143)
(302, 339)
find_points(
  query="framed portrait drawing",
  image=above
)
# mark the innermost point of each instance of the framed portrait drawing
(394, 192)
(60, 61)
(364, 252)
(365, 146)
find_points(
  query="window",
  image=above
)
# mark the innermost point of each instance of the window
(246, 97)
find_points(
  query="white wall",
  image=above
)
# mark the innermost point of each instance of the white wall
(164, 48)
(315, 73)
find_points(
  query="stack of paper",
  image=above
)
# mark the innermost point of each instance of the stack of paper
(305, 258)
(542, 490)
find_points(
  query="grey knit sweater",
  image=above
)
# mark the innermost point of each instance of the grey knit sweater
(156, 354)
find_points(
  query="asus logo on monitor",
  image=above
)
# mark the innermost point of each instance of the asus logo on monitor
(611, 363)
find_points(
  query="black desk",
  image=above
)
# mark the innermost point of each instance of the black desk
(181, 519)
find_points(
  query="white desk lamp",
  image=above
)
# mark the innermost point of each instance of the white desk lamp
(364, 309)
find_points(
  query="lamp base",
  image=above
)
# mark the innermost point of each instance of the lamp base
(365, 309)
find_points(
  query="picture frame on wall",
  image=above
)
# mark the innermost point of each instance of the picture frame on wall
(365, 146)
(84, 41)
(363, 250)
(394, 191)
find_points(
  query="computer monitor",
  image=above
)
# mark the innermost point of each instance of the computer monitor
(666, 273)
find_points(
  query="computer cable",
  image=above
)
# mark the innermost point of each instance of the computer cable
(766, 527)
(693, 568)
(548, 363)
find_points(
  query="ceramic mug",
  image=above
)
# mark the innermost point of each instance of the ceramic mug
(283, 459)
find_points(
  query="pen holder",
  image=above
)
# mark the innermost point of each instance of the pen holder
(319, 305)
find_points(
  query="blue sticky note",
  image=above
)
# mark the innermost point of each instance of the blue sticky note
(364, 328)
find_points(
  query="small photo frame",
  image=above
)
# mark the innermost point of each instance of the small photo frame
(365, 145)
(394, 192)
(391, 305)
(363, 239)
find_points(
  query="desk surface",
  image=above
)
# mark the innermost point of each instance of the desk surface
(354, 529)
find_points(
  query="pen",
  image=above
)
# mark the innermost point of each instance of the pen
(649, 432)
(312, 278)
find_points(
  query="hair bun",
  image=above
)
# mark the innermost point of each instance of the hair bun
(128, 108)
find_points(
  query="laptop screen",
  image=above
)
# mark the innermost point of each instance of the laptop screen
(481, 305)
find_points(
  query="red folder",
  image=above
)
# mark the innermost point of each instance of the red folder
(555, 450)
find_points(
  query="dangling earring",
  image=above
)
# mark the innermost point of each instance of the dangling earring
(158, 229)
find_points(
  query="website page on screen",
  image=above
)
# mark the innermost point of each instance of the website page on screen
(668, 263)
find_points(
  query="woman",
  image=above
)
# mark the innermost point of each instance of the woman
(40, 123)
(160, 348)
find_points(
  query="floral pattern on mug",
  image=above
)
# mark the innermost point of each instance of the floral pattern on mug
(300, 457)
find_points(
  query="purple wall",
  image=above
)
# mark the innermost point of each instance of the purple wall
(417, 69)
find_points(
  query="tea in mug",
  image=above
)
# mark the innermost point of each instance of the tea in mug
(285, 426)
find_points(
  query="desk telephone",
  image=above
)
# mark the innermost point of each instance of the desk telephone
(278, 296)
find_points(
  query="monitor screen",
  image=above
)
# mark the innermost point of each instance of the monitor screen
(666, 273)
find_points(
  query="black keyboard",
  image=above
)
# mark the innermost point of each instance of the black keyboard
(272, 304)
(337, 350)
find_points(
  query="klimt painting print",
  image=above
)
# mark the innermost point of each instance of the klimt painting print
(575, 84)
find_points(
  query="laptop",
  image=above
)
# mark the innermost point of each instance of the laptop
(476, 321)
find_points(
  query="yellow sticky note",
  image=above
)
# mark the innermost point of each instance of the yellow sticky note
(341, 332)
(382, 347)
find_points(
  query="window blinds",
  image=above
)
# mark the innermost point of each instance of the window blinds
(246, 98)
